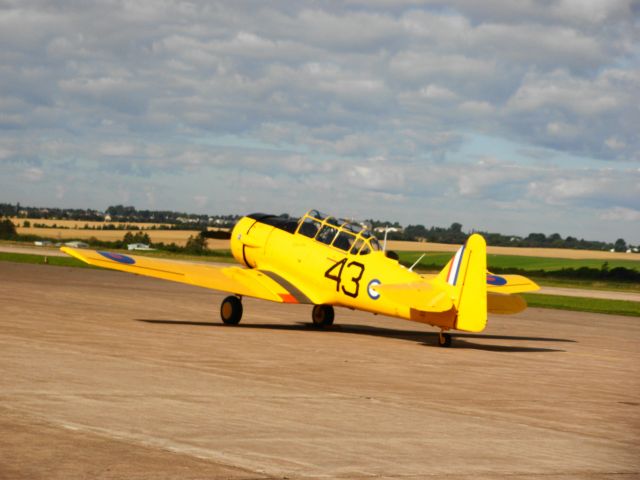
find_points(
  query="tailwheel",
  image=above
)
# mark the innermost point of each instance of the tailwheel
(231, 310)
(322, 316)
(444, 339)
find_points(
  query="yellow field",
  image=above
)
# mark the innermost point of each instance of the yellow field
(73, 230)
(179, 237)
(79, 224)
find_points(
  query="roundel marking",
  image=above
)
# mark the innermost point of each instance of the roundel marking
(370, 290)
(496, 280)
(117, 257)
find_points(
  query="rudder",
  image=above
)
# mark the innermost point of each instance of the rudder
(466, 275)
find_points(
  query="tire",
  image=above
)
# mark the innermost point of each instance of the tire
(444, 340)
(322, 316)
(231, 310)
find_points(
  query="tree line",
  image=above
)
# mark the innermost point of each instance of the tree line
(453, 234)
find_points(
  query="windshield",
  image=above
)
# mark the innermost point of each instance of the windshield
(348, 236)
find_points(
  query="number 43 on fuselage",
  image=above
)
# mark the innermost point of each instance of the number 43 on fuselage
(324, 261)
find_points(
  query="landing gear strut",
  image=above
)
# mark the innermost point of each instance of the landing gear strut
(231, 310)
(322, 316)
(444, 339)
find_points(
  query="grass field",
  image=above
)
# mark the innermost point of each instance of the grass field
(439, 260)
(215, 256)
(404, 246)
(42, 260)
(580, 304)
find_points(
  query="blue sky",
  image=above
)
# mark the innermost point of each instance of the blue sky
(515, 117)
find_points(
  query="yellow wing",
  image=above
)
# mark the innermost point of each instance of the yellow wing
(240, 281)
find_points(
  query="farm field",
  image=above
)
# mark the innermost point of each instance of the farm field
(73, 229)
(529, 263)
(403, 246)
(179, 237)
(79, 224)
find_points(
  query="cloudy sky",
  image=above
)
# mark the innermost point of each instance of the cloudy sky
(506, 116)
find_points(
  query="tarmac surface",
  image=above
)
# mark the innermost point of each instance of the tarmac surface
(105, 375)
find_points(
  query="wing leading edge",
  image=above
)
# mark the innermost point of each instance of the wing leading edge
(236, 280)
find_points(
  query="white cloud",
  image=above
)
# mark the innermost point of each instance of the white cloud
(561, 90)
(363, 99)
(376, 174)
(562, 130)
(615, 143)
(620, 214)
(33, 174)
(476, 108)
(117, 149)
(436, 92)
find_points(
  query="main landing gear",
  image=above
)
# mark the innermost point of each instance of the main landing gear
(444, 339)
(322, 316)
(231, 310)
(231, 313)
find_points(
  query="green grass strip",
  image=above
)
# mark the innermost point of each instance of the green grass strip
(580, 304)
(438, 260)
(42, 260)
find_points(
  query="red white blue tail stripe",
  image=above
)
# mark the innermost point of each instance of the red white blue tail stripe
(454, 268)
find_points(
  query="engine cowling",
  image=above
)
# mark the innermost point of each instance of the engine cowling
(248, 241)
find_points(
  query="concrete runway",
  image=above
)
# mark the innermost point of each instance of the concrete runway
(105, 375)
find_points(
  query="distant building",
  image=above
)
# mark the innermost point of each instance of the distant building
(139, 246)
(77, 244)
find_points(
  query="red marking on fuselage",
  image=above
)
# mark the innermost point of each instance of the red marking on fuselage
(288, 298)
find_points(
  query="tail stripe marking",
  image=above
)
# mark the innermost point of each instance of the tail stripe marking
(452, 277)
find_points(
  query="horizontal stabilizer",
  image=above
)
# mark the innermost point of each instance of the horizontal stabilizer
(505, 304)
(510, 284)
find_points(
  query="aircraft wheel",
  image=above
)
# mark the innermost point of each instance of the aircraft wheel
(444, 339)
(322, 316)
(231, 310)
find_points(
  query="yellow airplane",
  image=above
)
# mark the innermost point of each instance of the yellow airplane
(324, 261)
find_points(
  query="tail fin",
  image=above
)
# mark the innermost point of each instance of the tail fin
(466, 275)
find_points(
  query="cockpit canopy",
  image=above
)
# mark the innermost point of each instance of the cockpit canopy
(348, 236)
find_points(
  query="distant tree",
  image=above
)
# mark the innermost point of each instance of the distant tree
(26, 224)
(121, 211)
(7, 230)
(620, 245)
(413, 232)
(571, 242)
(456, 227)
(196, 245)
(138, 237)
(536, 239)
(555, 237)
